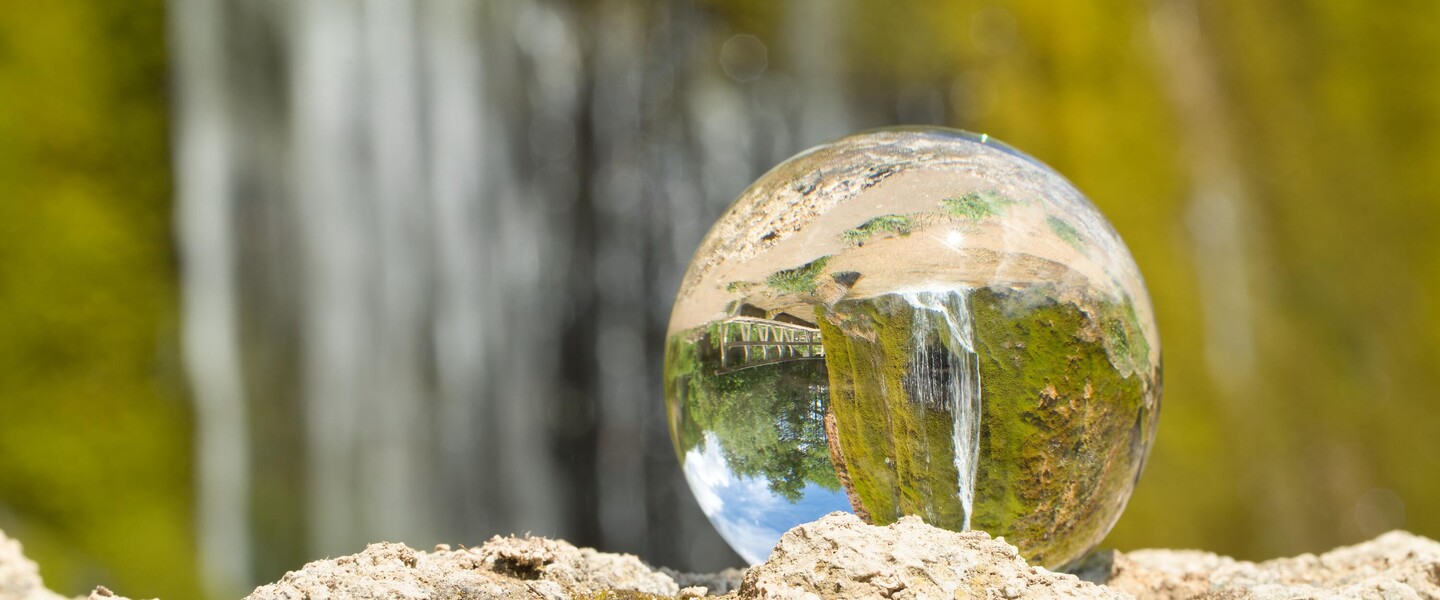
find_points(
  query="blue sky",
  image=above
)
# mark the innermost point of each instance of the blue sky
(744, 510)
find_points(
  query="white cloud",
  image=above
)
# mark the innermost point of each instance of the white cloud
(708, 474)
(735, 505)
(751, 541)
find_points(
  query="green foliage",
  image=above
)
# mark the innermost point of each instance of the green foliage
(95, 436)
(800, 280)
(768, 419)
(975, 206)
(897, 224)
(738, 287)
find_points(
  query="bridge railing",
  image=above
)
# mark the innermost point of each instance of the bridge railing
(748, 342)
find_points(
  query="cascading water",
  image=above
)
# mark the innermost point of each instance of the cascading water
(949, 378)
(418, 233)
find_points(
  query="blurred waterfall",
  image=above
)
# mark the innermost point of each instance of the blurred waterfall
(429, 252)
(205, 170)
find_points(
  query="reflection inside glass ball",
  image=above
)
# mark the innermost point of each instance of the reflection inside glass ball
(913, 322)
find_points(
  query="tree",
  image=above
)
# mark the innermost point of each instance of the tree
(769, 421)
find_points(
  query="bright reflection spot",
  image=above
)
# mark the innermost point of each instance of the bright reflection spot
(952, 239)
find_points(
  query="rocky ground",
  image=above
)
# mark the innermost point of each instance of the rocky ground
(836, 557)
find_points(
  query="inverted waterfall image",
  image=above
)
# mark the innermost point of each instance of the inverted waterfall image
(913, 322)
(948, 376)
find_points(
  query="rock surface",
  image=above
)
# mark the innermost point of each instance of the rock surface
(507, 567)
(20, 578)
(1394, 565)
(836, 557)
(840, 556)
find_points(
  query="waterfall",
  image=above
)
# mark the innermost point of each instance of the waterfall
(949, 379)
(211, 308)
(429, 251)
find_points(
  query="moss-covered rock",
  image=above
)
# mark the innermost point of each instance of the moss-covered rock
(1063, 429)
(1064, 420)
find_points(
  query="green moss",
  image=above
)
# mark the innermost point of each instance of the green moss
(897, 224)
(800, 280)
(1058, 427)
(975, 206)
(1124, 338)
(738, 287)
(862, 422)
(1066, 232)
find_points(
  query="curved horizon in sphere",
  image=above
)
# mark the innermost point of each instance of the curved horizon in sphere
(913, 321)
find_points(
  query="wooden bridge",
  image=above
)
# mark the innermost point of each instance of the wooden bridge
(747, 342)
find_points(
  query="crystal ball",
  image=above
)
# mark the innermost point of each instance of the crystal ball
(913, 321)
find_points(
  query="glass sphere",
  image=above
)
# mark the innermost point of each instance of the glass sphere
(914, 321)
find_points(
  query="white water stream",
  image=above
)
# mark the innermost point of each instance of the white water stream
(952, 382)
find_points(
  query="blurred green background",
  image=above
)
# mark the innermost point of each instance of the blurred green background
(95, 467)
(1273, 167)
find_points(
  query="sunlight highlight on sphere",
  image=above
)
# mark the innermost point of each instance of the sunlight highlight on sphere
(915, 321)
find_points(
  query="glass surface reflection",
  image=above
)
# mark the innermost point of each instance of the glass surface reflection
(747, 511)
(914, 322)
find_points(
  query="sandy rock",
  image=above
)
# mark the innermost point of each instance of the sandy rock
(1394, 565)
(840, 556)
(502, 568)
(19, 577)
(103, 593)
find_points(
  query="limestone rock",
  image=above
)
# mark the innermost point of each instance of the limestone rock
(840, 556)
(19, 577)
(1394, 565)
(502, 568)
